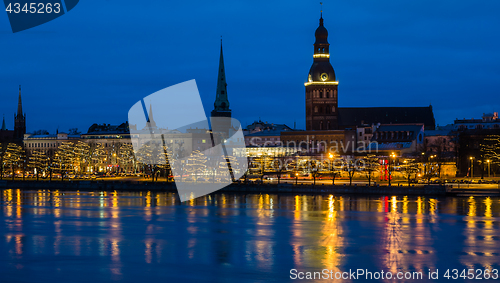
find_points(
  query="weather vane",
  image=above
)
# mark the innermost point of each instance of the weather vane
(321, 3)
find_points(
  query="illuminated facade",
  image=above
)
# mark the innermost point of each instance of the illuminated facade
(321, 86)
(273, 151)
(48, 143)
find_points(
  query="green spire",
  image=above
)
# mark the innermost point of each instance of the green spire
(3, 124)
(221, 101)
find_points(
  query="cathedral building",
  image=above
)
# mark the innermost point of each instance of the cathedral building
(328, 124)
(322, 111)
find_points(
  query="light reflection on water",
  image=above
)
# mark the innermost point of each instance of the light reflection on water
(133, 236)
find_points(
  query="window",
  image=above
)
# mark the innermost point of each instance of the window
(203, 141)
(315, 109)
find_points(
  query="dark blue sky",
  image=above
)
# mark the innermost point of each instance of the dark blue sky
(92, 64)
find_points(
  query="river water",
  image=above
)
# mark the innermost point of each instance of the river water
(61, 236)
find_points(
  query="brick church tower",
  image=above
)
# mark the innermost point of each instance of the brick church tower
(321, 86)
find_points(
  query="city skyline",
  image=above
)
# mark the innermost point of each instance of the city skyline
(101, 89)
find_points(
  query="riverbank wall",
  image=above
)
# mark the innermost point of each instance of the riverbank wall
(435, 190)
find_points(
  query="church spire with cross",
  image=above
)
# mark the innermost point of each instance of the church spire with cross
(221, 100)
(19, 120)
(221, 105)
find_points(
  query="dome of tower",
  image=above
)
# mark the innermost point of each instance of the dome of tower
(321, 33)
(321, 71)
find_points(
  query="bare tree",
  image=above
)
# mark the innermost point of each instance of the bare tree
(410, 167)
(74, 131)
(38, 161)
(371, 165)
(12, 157)
(65, 158)
(351, 168)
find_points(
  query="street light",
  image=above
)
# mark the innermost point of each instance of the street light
(471, 167)
(331, 167)
(393, 155)
(489, 173)
(296, 178)
(429, 176)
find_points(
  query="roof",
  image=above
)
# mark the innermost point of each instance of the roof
(399, 132)
(400, 128)
(109, 129)
(436, 133)
(389, 146)
(357, 116)
(265, 133)
(49, 136)
(259, 126)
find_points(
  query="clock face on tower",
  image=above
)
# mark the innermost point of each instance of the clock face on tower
(324, 76)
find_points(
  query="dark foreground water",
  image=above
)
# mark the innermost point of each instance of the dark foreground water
(56, 236)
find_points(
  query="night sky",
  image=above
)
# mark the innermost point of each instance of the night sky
(92, 64)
